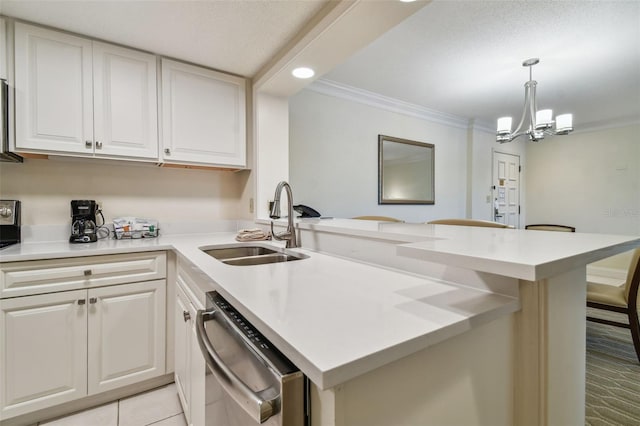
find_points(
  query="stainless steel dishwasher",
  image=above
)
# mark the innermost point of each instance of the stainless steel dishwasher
(248, 381)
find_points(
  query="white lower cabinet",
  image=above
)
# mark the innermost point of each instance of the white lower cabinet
(43, 351)
(189, 364)
(61, 346)
(126, 338)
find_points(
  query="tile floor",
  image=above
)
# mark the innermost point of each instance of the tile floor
(157, 407)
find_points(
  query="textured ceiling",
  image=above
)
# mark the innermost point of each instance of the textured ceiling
(460, 57)
(465, 58)
(236, 36)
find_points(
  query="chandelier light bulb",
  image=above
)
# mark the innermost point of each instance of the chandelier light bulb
(544, 118)
(504, 125)
(564, 123)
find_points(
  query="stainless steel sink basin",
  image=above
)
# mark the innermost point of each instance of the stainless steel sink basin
(247, 255)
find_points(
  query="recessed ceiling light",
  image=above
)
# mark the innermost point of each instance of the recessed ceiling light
(303, 72)
(407, 1)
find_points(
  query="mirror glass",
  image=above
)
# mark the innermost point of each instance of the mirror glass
(405, 171)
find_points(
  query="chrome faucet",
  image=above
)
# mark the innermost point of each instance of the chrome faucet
(290, 234)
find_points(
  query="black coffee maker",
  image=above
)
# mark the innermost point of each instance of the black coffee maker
(83, 221)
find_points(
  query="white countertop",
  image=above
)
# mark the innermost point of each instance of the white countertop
(334, 318)
(337, 319)
(517, 253)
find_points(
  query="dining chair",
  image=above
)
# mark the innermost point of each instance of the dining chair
(622, 299)
(469, 222)
(380, 218)
(550, 227)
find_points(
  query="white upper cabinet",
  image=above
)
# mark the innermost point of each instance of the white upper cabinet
(125, 102)
(75, 96)
(203, 116)
(53, 91)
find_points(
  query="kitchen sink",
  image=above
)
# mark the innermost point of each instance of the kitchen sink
(248, 255)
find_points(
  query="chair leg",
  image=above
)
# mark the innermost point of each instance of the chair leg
(634, 325)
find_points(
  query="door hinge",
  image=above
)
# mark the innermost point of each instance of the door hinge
(519, 169)
(518, 209)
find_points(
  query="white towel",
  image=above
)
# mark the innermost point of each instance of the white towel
(254, 234)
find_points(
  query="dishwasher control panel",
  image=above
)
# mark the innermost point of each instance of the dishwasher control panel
(252, 336)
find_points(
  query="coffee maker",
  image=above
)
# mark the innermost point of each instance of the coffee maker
(83, 221)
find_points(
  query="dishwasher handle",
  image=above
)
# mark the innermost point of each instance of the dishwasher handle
(258, 408)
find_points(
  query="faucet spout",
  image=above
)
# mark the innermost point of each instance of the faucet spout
(290, 234)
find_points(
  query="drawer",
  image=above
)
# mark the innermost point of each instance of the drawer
(46, 276)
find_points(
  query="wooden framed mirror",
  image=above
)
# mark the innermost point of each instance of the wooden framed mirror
(405, 171)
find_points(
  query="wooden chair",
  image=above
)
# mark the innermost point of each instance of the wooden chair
(379, 218)
(622, 299)
(469, 222)
(549, 227)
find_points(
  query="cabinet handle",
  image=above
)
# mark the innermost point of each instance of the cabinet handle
(87, 272)
(81, 301)
(88, 144)
(93, 300)
(167, 151)
(186, 315)
(98, 145)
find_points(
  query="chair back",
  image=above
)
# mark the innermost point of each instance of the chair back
(380, 218)
(633, 278)
(550, 227)
(469, 222)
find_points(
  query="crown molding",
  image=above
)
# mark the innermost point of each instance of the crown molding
(616, 123)
(343, 91)
(354, 94)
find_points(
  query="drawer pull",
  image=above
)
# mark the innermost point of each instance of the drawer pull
(81, 301)
(93, 300)
(87, 272)
(186, 315)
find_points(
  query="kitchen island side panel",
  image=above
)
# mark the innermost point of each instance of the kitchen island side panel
(466, 380)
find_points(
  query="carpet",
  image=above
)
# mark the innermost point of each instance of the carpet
(613, 374)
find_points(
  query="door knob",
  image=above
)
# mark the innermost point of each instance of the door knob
(186, 315)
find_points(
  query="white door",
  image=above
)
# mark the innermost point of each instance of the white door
(125, 102)
(203, 116)
(43, 351)
(53, 80)
(126, 334)
(506, 188)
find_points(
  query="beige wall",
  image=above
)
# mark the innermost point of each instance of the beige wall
(333, 166)
(46, 188)
(590, 180)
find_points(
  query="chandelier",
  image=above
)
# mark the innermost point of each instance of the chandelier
(540, 122)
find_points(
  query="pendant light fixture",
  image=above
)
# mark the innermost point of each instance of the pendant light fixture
(540, 123)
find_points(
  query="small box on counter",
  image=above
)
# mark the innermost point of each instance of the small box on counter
(134, 227)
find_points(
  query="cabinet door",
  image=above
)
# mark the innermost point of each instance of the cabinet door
(203, 116)
(43, 351)
(125, 102)
(197, 372)
(182, 346)
(54, 109)
(126, 334)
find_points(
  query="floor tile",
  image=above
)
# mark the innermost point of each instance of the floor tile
(178, 420)
(104, 415)
(150, 407)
